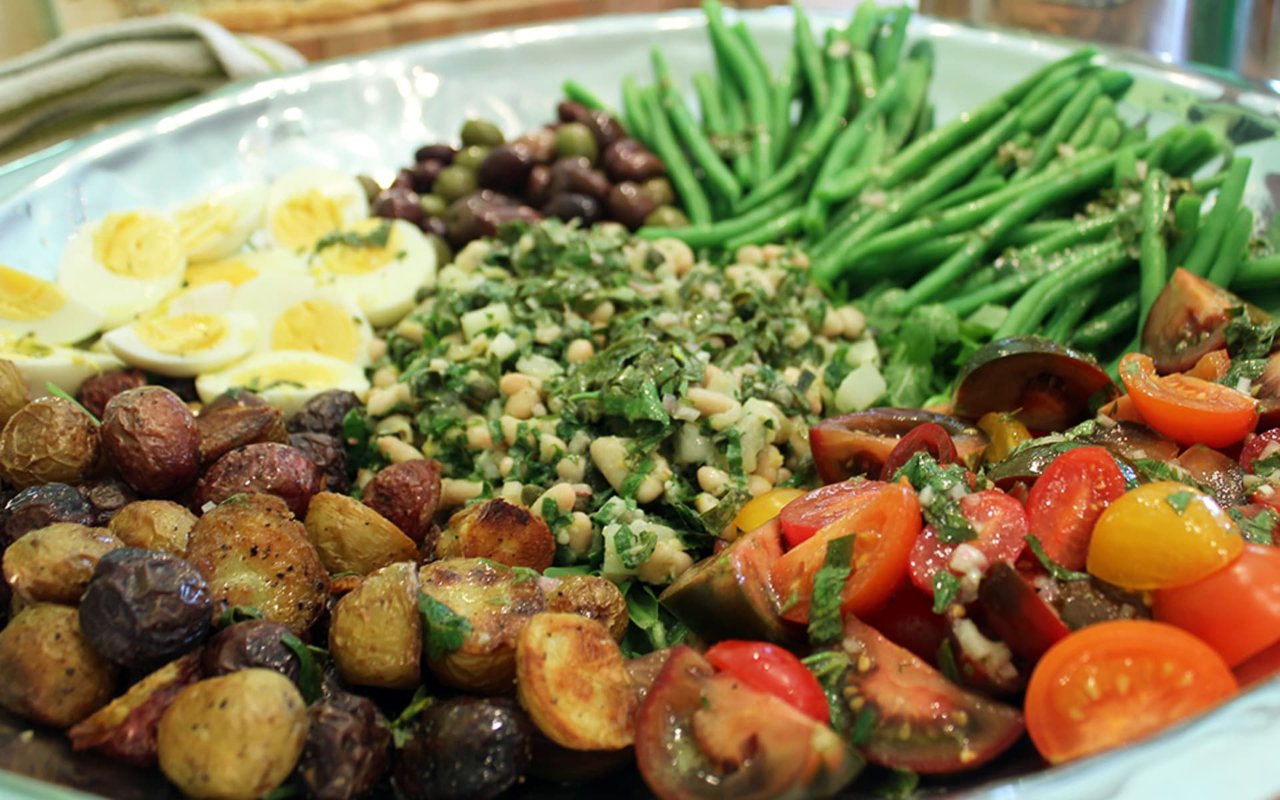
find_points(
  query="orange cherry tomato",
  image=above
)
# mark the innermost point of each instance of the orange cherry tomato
(1116, 682)
(1186, 409)
(1121, 410)
(1161, 535)
(1236, 609)
(760, 510)
(803, 518)
(1212, 366)
(885, 525)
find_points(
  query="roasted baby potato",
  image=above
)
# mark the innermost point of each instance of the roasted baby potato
(499, 531)
(39, 506)
(408, 494)
(237, 736)
(13, 390)
(224, 428)
(50, 439)
(152, 440)
(352, 537)
(97, 390)
(54, 564)
(496, 602)
(572, 679)
(594, 597)
(154, 525)
(252, 553)
(48, 672)
(267, 468)
(106, 496)
(375, 634)
(126, 727)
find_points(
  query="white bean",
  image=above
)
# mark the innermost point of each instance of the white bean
(579, 350)
(455, 492)
(397, 451)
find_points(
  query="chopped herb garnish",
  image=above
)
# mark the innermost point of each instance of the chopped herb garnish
(310, 674)
(1180, 499)
(946, 657)
(378, 236)
(634, 547)
(940, 489)
(1056, 570)
(863, 726)
(899, 784)
(1257, 529)
(1247, 339)
(443, 631)
(403, 725)
(1267, 466)
(946, 588)
(236, 614)
(825, 621)
(57, 391)
(651, 626)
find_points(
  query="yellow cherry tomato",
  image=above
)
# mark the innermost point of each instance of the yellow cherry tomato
(1162, 535)
(760, 510)
(1005, 432)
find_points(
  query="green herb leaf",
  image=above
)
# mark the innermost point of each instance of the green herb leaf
(946, 587)
(310, 675)
(941, 509)
(634, 547)
(377, 237)
(57, 391)
(863, 726)
(235, 614)
(358, 442)
(1268, 466)
(651, 626)
(1247, 339)
(1258, 529)
(1180, 499)
(1056, 570)
(947, 662)
(899, 784)
(283, 792)
(443, 631)
(826, 624)
(403, 725)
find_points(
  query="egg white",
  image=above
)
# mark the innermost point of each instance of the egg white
(219, 224)
(30, 306)
(382, 280)
(307, 204)
(240, 268)
(284, 378)
(293, 313)
(191, 333)
(42, 364)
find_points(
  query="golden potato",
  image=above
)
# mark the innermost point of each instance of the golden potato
(48, 672)
(572, 679)
(54, 564)
(254, 554)
(49, 440)
(499, 531)
(154, 525)
(234, 737)
(13, 390)
(352, 537)
(594, 597)
(375, 633)
(495, 601)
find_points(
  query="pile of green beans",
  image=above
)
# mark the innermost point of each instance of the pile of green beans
(1043, 200)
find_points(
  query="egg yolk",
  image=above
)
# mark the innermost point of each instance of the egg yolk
(320, 326)
(22, 346)
(25, 297)
(232, 270)
(297, 374)
(305, 218)
(368, 248)
(181, 334)
(202, 222)
(137, 246)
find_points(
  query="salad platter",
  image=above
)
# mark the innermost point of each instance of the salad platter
(448, 387)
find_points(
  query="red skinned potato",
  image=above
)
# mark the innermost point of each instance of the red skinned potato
(151, 438)
(224, 428)
(408, 494)
(263, 468)
(97, 390)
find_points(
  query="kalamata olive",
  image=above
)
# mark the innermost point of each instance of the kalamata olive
(223, 429)
(398, 203)
(328, 453)
(407, 494)
(143, 607)
(628, 160)
(860, 443)
(13, 390)
(481, 214)
(106, 497)
(49, 439)
(574, 174)
(41, 506)
(152, 439)
(570, 205)
(433, 205)
(506, 168)
(606, 129)
(630, 204)
(255, 643)
(425, 172)
(438, 151)
(465, 748)
(324, 413)
(541, 143)
(537, 187)
(268, 468)
(660, 190)
(481, 132)
(471, 157)
(667, 217)
(435, 226)
(348, 748)
(98, 389)
(576, 139)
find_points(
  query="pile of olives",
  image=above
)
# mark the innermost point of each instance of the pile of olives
(581, 167)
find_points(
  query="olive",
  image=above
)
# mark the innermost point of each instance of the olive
(348, 748)
(628, 160)
(481, 214)
(98, 389)
(482, 132)
(41, 506)
(537, 188)
(402, 180)
(255, 643)
(436, 227)
(13, 390)
(49, 439)
(439, 151)
(667, 217)
(630, 204)
(456, 181)
(661, 190)
(465, 748)
(571, 205)
(370, 186)
(144, 607)
(233, 398)
(576, 139)
(425, 173)
(439, 241)
(433, 205)
(106, 497)
(471, 157)
(397, 203)
(541, 143)
(506, 168)
(574, 174)
(324, 413)
(328, 453)
(603, 126)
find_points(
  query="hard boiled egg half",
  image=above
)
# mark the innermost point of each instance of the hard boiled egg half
(380, 264)
(220, 224)
(42, 364)
(294, 314)
(123, 264)
(33, 307)
(284, 378)
(309, 203)
(241, 268)
(191, 333)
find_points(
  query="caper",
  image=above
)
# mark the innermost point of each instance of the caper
(660, 191)
(666, 217)
(478, 131)
(433, 205)
(471, 157)
(576, 139)
(455, 181)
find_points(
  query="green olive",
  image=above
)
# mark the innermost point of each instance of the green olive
(370, 186)
(471, 157)
(660, 191)
(478, 131)
(444, 253)
(433, 205)
(666, 217)
(455, 181)
(576, 139)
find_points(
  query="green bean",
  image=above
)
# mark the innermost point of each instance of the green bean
(924, 122)
(1153, 262)
(1040, 84)
(1235, 245)
(1134, 135)
(1063, 322)
(785, 92)
(914, 77)
(1026, 313)
(634, 112)
(1186, 213)
(776, 229)
(1262, 272)
(1010, 282)
(1101, 108)
(1065, 123)
(1037, 118)
(1208, 183)
(582, 95)
(857, 143)
(1110, 134)
(924, 254)
(862, 27)
(1115, 82)
(1116, 319)
(681, 174)
(1209, 237)
(810, 58)
(972, 190)
(713, 234)
(1086, 230)
(888, 48)
(925, 152)
(719, 177)
(1032, 232)
(847, 218)
(848, 141)
(924, 52)
(865, 81)
(713, 114)
(752, 84)
(1193, 151)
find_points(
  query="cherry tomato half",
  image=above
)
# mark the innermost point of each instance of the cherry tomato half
(769, 668)
(1188, 410)
(760, 510)
(927, 437)
(1005, 432)
(1264, 445)
(802, 518)
(997, 518)
(1116, 682)
(1067, 499)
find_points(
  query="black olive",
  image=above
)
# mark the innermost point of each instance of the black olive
(537, 188)
(398, 203)
(443, 153)
(506, 168)
(106, 496)
(144, 607)
(465, 748)
(574, 174)
(39, 506)
(570, 205)
(482, 213)
(436, 227)
(425, 173)
(255, 643)
(328, 453)
(628, 160)
(324, 413)
(347, 749)
(629, 204)
(602, 125)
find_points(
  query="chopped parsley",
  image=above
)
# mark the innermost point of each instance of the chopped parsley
(1267, 466)
(947, 663)
(403, 725)
(1257, 529)
(946, 588)
(1180, 500)
(378, 236)
(825, 621)
(940, 489)
(310, 674)
(651, 627)
(1055, 569)
(443, 631)
(634, 547)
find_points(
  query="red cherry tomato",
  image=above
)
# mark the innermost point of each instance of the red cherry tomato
(1264, 445)
(1001, 525)
(1067, 499)
(907, 620)
(805, 516)
(929, 437)
(768, 668)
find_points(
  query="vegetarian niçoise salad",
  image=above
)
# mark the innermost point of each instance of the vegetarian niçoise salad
(759, 450)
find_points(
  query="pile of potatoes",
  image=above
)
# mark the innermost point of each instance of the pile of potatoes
(176, 581)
